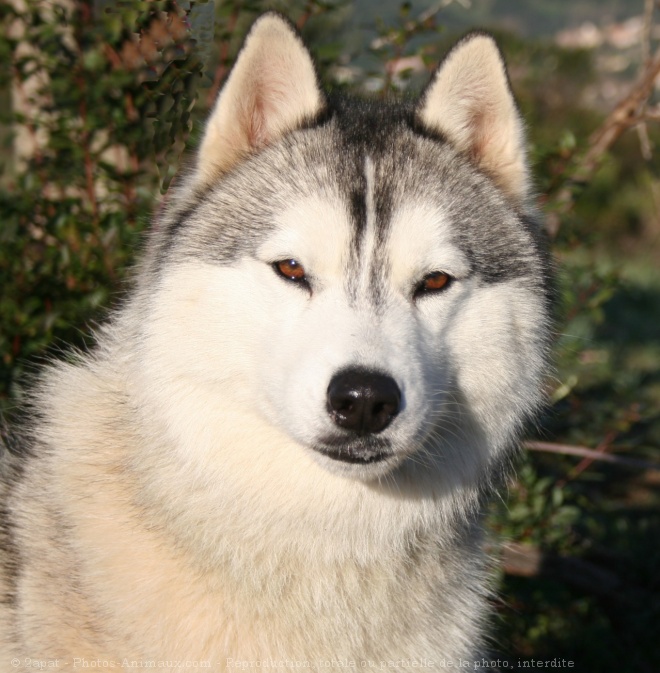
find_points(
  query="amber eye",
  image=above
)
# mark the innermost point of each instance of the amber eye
(434, 282)
(291, 270)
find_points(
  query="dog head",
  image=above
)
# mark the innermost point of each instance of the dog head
(365, 279)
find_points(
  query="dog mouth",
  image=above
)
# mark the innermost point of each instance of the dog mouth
(362, 451)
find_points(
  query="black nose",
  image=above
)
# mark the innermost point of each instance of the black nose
(363, 401)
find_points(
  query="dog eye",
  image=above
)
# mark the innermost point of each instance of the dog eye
(434, 282)
(291, 270)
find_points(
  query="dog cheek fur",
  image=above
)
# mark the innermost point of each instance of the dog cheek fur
(499, 350)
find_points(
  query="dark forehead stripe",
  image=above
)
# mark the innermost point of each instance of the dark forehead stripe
(370, 124)
(385, 191)
(412, 162)
(229, 219)
(357, 199)
(367, 130)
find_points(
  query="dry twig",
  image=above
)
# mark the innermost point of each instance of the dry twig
(583, 452)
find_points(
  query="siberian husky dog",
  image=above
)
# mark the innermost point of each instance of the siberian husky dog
(276, 453)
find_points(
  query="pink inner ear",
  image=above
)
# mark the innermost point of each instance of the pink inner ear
(263, 112)
(255, 126)
(481, 138)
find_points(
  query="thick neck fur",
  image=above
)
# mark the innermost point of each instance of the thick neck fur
(230, 557)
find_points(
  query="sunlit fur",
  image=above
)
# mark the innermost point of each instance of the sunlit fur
(170, 502)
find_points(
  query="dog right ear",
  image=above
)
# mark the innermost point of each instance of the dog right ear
(271, 90)
(469, 101)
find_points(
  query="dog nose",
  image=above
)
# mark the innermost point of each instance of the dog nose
(363, 401)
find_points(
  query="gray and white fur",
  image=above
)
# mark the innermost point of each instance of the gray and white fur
(257, 464)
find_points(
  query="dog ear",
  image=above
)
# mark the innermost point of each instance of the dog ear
(469, 101)
(272, 89)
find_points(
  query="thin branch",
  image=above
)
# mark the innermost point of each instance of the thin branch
(652, 113)
(526, 560)
(306, 15)
(602, 448)
(625, 115)
(644, 140)
(647, 24)
(583, 452)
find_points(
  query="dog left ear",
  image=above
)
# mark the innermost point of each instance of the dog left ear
(469, 101)
(271, 90)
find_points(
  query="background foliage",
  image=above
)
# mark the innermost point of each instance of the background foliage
(106, 96)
